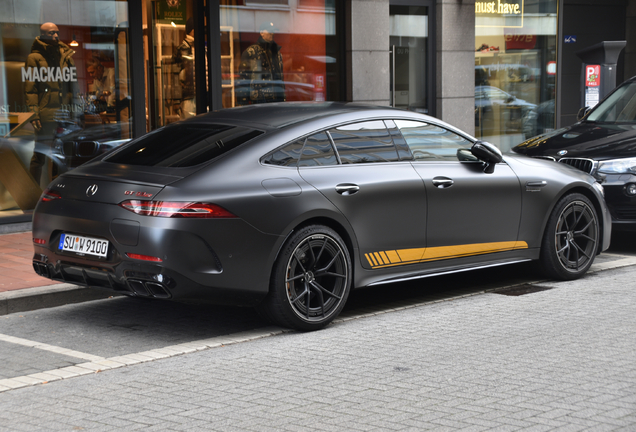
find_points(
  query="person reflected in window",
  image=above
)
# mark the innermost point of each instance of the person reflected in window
(50, 81)
(103, 84)
(184, 57)
(261, 70)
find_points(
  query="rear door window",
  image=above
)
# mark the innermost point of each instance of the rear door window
(183, 145)
(318, 151)
(287, 156)
(364, 142)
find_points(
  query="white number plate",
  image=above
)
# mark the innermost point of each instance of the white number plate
(83, 245)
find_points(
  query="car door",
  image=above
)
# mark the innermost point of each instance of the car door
(381, 196)
(469, 212)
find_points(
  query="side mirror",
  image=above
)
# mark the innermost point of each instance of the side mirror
(582, 113)
(464, 155)
(488, 153)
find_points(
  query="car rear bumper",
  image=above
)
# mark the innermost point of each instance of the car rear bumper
(203, 258)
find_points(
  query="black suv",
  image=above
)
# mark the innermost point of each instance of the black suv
(602, 143)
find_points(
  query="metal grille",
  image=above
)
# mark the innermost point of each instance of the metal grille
(87, 148)
(627, 212)
(586, 165)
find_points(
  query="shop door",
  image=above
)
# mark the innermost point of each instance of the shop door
(171, 66)
(411, 48)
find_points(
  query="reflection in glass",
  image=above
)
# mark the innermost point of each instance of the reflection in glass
(366, 142)
(515, 57)
(272, 54)
(61, 104)
(432, 143)
(408, 41)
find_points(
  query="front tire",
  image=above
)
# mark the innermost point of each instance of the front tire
(571, 238)
(311, 280)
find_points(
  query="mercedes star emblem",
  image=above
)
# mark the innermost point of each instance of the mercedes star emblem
(92, 190)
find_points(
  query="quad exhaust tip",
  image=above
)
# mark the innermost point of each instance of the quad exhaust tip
(41, 269)
(148, 289)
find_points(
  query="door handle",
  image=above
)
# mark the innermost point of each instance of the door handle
(347, 188)
(442, 182)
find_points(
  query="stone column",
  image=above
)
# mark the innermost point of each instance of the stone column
(455, 68)
(368, 51)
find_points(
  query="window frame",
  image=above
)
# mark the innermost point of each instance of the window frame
(393, 119)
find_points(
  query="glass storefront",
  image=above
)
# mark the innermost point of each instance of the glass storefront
(515, 69)
(278, 50)
(64, 77)
(65, 69)
(271, 51)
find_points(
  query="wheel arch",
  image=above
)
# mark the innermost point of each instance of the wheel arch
(589, 194)
(344, 232)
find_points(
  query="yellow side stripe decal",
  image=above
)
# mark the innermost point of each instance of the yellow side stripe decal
(417, 255)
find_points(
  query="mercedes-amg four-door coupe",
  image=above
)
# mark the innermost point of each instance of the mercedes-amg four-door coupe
(289, 206)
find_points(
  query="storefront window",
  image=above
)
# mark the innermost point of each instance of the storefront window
(275, 51)
(170, 48)
(515, 69)
(64, 98)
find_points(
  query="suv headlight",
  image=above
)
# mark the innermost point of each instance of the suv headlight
(617, 166)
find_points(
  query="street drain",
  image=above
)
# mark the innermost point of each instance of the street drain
(522, 289)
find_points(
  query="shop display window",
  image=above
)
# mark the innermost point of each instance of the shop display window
(279, 51)
(515, 70)
(64, 79)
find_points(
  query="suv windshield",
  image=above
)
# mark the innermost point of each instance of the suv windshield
(620, 107)
(183, 145)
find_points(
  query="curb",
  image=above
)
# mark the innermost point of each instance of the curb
(30, 299)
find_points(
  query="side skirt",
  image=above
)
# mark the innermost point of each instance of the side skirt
(449, 270)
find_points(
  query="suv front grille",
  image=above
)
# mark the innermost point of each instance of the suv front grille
(586, 165)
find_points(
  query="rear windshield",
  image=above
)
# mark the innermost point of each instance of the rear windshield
(183, 145)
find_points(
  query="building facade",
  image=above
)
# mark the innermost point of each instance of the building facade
(79, 77)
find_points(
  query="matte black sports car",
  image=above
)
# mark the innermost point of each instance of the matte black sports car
(287, 206)
(603, 144)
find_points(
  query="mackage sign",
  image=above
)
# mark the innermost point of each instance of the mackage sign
(49, 74)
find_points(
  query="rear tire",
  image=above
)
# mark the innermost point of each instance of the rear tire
(571, 238)
(311, 280)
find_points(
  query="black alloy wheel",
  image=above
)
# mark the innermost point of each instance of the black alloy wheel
(311, 280)
(571, 239)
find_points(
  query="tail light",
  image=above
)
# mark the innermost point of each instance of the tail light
(143, 257)
(171, 209)
(49, 195)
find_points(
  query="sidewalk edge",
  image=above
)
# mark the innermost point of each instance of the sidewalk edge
(29, 299)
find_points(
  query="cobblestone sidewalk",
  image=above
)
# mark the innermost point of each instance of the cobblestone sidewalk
(559, 359)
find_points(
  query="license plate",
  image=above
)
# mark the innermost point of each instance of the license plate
(83, 245)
